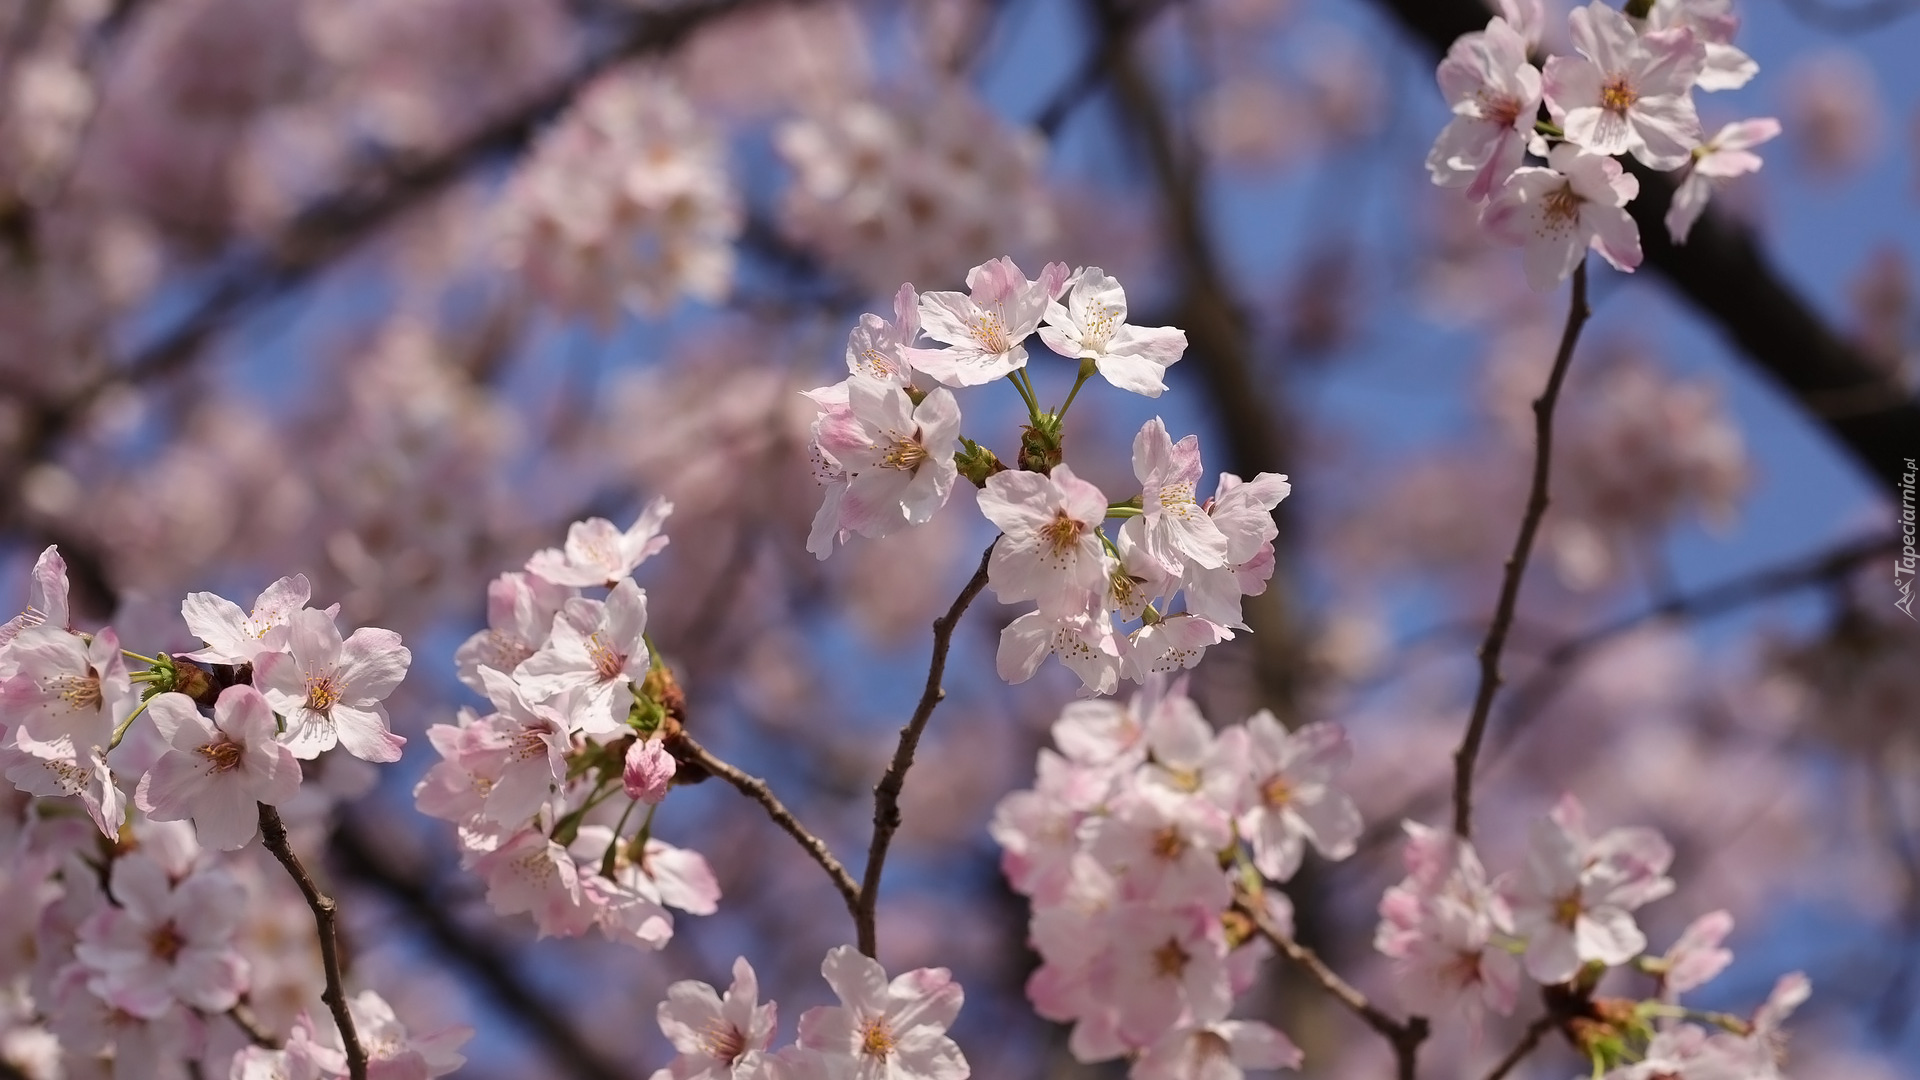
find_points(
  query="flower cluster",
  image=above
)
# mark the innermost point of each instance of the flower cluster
(138, 944)
(627, 201)
(888, 193)
(580, 712)
(888, 447)
(1461, 942)
(1121, 847)
(880, 1028)
(1628, 92)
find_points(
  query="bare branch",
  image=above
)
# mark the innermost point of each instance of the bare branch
(256, 1032)
(1405, 1035)
(273, 832)
(1463, 759)
(756, 789)
(886, 794)
(1529, 1041)
(482, 957)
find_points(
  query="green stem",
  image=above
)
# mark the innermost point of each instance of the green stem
(1071, 394)
(121, 731)
(1026, 394)
(613, 845)
(136, 656)
(1124, 511)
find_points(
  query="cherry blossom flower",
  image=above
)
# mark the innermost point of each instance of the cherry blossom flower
(66, 687)
(1093, 324)
(1243, 512)
(236, 637)
(1443, 927)
(1164, 846)
(522, 753)
(1216, 1050)
(1494, 91)
(1714, 24)
(885, 1030)
(878, 349)
(598, 649)
(393, 1052)
(597, 553)
(330, 691)
(1169, 967)
(648, 771)
(1697, 957)
(1050, 549)
(529, 872)
(1169, 643)
(719, 1037)
(520, 611)
(1574, 901)
(1628, 92)
(984, 331)
(46, 597)
(1557, 213)
(898, 458)
(58, 767)
(1084, 642)
(165, 942)
(214, 771)
(1177, 531)
(1291, 799)
(1728, 154)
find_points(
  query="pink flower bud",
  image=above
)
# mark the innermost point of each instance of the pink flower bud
(649, 771)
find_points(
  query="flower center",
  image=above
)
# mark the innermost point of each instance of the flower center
(1566, 910)
(323, 691)
(79, 691)
(1562, 206)
(1276, 793)
(1176, 498)
(1168, 844)
(1062, 532)
(990, 330)
(905, 455)
(1501, 109)
(1617, 95)
(722, 1041)
(606, 662)
(1101, 323)
(223, 756)
(1169, 960)
(166, 943)
(876, 1039)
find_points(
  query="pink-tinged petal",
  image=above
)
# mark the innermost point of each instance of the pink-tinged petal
(1676, 58)
(315, 640)
(947, 317)
(217, 621)
(372, 663)
(683, 877)
(1024, 643)
(906, 313)
(364, 733)
(1551, 957)
(179, 721)
(1697, 957)
(1608, 935)
(171, 789)
(1255, 1045)
(859, 981)
(141, 888)
(829, 1029)
(210, 981)
(1665, 131)
(826, 521)
(224, 817)
(924, 997)
(1567, 84)
(689, 1013)
(1689, 202)
(996, 281)
(1615, 235)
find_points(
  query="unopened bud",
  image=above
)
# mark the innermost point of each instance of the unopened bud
(649, 771)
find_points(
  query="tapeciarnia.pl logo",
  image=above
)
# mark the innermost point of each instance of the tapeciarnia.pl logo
(1903, 566)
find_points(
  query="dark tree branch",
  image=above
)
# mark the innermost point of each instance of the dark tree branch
(1529, 1041)
(1851, 18)
(1405, 1035)
(273, 832)
(886, 794)
(756, 789)
(1502, 622)
(482, 957)
(1722, 271)
(249, 1024)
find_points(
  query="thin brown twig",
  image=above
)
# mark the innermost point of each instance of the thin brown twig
(1529, 1041)
(273, 832)
(243, 1017)
(1463, 758)
(1405, 1035)
(756, 789)
(886, 794)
